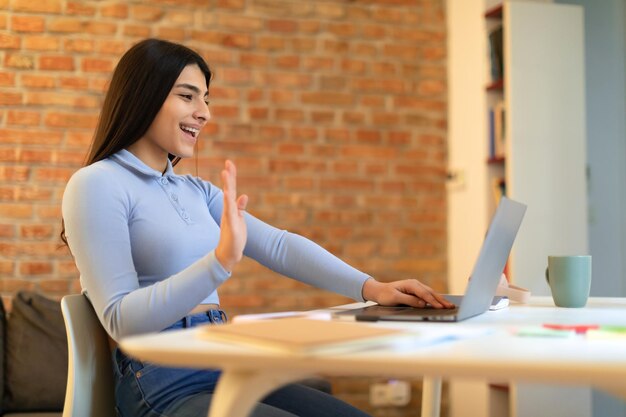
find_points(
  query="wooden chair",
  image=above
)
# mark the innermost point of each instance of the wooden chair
(90, 386)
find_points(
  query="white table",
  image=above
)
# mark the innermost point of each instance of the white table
(496, 355)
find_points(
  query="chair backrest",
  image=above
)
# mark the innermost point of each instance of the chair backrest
(90, 389)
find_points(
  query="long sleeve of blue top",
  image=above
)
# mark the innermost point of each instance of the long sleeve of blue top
(144, 244)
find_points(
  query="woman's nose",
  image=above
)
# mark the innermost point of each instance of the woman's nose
(202, 112)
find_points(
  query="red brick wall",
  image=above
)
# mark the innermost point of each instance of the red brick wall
(335, 112)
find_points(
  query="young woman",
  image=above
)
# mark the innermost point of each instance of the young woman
(152, 247)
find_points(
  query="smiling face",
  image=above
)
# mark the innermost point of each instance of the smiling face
(177, 125)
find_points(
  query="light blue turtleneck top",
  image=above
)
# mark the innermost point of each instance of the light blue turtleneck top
(144, 243)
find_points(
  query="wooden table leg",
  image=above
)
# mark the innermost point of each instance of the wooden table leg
(239, 391)
(431, 397)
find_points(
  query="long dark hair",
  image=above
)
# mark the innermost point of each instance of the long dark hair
(141, 82)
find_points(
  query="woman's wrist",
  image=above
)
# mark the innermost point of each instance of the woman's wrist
(370, 289)
(228, 266)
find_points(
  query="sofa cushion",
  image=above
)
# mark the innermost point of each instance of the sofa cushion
(36, 355)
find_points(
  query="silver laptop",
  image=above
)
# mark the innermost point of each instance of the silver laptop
(482, 285)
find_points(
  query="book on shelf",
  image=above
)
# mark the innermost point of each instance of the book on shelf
(492, 134)
(497, 131)
(496, 54)
(303, 336)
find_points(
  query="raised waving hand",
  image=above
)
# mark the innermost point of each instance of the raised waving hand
(233, 231)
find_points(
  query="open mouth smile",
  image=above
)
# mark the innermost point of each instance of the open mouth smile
(191, 131)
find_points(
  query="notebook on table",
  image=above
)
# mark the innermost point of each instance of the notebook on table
(481, 288)
(302, 336)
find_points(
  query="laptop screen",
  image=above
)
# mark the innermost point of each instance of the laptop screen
(492, 258)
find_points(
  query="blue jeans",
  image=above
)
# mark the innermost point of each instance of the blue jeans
(143, 389)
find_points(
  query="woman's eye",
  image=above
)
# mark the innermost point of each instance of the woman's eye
(186, 96)
(207, 102)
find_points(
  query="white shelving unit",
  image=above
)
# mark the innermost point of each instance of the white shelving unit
(544, 91)
(545, 156)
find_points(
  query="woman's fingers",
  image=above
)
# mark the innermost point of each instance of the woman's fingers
(433, 298)
(229, 181)
(232, 202)
(242, 202)
(411, 292)
(409, 300)
(233, 234)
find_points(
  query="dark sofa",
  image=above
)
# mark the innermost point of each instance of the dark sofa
(34, 357)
